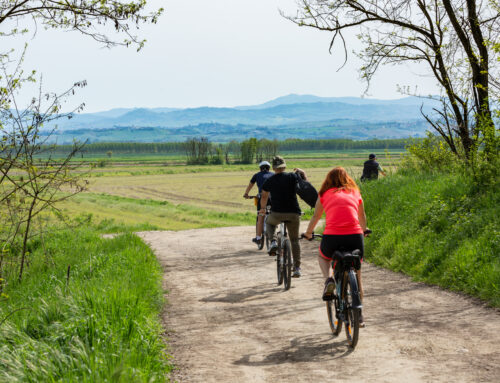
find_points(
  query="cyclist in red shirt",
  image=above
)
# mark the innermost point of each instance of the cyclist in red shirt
(340, 199)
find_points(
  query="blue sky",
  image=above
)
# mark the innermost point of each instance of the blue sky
(210, 53)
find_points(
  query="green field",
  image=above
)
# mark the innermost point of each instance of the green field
(153, 193)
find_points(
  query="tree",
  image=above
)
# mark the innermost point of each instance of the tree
(267, 148)
(198, 150)
(32, 182)
(90, 17)
(248, 150)
(457, 39)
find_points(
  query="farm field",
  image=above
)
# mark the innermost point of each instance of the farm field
(176, 197)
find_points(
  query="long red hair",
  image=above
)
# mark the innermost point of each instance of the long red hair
(338, 178)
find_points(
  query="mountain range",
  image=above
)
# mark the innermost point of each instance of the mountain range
(300, 116)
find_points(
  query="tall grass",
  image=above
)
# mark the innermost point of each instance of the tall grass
(101, 324)
(146, 214)
(438, 228)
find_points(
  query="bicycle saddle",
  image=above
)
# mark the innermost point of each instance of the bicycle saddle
(346, 257)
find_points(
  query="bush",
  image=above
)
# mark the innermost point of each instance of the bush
(430, 153)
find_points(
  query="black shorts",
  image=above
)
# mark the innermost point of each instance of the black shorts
(331, 243)
(258, 203)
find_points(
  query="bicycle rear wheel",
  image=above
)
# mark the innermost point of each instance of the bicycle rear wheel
(350, 295)
(333, 321)
(260, 244)
(287, 263)
(279, 262)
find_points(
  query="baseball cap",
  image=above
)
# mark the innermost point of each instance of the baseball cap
(278, 162)
(372, 156)
(264, 163)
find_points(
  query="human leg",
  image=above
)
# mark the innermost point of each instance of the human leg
(273, 219)
(260, 225)
(325, 266)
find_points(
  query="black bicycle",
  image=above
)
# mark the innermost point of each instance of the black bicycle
(345, 306)
(284, 257)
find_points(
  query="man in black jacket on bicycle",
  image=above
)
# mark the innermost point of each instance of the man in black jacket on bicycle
(285, 208)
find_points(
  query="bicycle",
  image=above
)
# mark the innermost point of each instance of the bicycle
(345, 307)
(264, 238)
(284, 257)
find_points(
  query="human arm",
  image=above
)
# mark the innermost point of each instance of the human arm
(263, 201)
(318, 212)
(249, 187)
(362, 216)
(382, 171)
(301, 173)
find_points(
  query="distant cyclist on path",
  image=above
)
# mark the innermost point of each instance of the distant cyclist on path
(259, 178)
(340, 199)
(371, 168)
(285, 208)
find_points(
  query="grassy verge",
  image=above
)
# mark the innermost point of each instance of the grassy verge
(100, 325)
(438, 229)
(147, 214)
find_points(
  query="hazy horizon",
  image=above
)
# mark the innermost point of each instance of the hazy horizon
(219, 53)
(239, 106)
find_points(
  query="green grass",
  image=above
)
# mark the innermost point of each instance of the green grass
(437, 228)
(146, 214)
(100, 326)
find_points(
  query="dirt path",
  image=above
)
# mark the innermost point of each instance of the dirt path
(227, 321)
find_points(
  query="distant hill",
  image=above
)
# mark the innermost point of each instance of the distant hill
(291, 116)
(308, 99)
(357, 130)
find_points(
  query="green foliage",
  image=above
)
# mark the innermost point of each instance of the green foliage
(101, 324)
(430, 153)
(248, 150)
(439, 228)
(86, 16)
(102, 163)
(268, 147)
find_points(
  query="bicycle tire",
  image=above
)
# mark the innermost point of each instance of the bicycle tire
(350, 289)
(287, 264)
(260, 244)
(333, 321)
(279, 262)
(266, 239)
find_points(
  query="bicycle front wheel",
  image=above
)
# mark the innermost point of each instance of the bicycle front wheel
(351, 302)
(287, 263)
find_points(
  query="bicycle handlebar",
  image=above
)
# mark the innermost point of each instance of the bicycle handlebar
(303, 236)
(366, 233)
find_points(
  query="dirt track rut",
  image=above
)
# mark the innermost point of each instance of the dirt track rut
(227, 321)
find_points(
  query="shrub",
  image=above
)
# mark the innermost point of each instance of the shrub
(430, 153)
